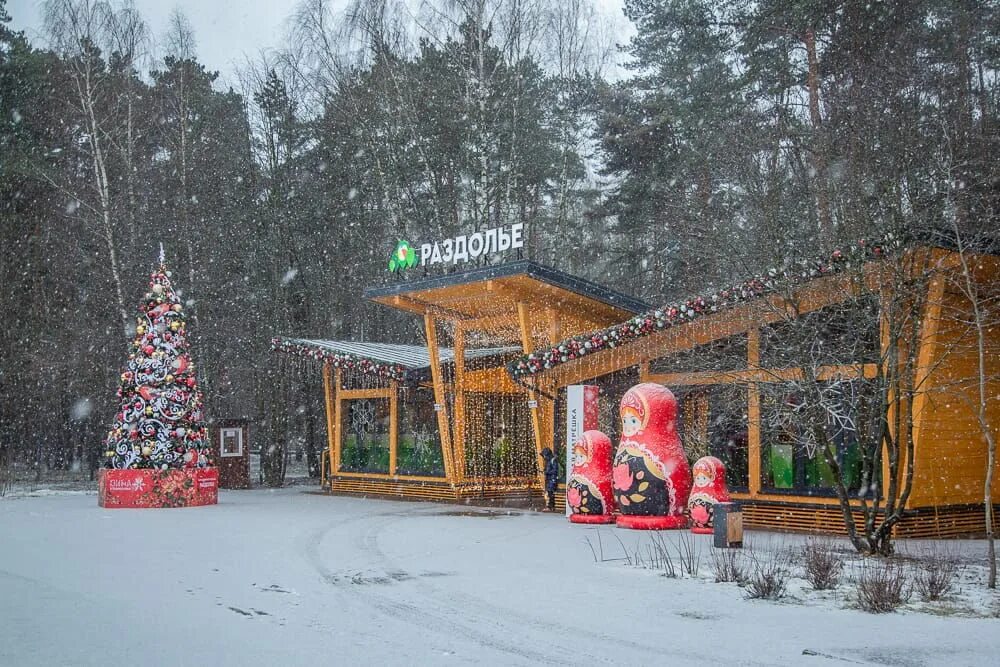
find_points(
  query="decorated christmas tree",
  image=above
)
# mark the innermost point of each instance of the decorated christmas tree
(159, 423)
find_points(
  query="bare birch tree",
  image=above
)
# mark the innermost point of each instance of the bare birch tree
(76, 30)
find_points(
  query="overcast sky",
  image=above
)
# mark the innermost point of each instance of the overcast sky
(225, 30)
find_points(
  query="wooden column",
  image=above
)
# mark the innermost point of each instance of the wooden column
(458, 436)
(331, 433)
(537, 423)
(439, 398)
(338, 431)
(927, 356)
(547, 405)
(753, 415)
(393, 425)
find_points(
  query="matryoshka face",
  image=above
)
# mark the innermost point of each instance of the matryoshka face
(631, 422)
(581, 453)
(704, 474)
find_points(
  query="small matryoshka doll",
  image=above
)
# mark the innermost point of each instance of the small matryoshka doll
(588, 494)
(651, 476)
(709, 488)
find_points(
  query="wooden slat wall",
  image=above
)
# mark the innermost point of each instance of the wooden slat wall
(950, 468)
(930, 522)
(441, 491)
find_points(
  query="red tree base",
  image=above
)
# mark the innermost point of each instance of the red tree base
(650, 522)
(702, 530)
(185, 487)
(592, 518)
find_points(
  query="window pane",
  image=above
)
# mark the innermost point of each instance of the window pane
(419, 444)
(729, 354)
(230, 442)
(728, 431)
(713, 421)
(499, 441)
(792, 452)
(845, 333)
(365, 432)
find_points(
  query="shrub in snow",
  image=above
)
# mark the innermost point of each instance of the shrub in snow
(882, 585)
(935, 575)
(822, 564)
(729, 565)
(769, 575)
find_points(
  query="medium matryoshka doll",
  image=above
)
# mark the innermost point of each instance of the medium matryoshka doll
(709, 488)
(651, 475)
(588, 494)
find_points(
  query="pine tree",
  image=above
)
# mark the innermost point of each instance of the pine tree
(159, 423)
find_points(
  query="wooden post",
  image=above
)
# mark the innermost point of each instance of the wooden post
(547, 405)
(753, 415)
(927, 356)
(393, 426)
(331, 433)
(524, 320)
(439, 398)
(338, 431)
(555, 330)
(458, 436)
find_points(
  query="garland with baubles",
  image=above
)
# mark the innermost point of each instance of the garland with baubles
(350, 362)
(650, 322)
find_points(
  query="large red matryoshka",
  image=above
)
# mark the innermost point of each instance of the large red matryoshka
(709, 488)
(651, 475)
(588, 494)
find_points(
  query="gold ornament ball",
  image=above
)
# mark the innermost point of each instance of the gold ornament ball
(140, 329)
(169, 378)
(146, 451)
(157, 289)
(175, 325)
(177, 307)
(149, 412)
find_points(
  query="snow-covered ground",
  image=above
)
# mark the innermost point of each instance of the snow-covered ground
(295, 578)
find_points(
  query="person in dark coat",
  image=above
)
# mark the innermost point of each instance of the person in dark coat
(551, 471)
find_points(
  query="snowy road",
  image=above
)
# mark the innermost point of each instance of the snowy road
(292, 578)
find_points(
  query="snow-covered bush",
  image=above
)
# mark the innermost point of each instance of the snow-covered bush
(882, 585)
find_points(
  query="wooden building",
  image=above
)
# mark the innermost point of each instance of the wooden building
(447, 421)
(745, 362)
(465, 417)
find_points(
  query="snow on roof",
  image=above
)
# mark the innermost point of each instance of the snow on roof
(390, 360)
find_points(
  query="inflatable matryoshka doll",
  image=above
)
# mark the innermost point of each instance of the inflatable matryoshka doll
(588, 494)
(651, 475)
(709, 488)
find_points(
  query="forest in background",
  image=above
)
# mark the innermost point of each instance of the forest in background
(742, 134)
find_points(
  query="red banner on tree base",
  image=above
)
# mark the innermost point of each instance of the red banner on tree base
(185, 487)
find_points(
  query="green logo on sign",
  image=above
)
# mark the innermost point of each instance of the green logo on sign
(403, 257)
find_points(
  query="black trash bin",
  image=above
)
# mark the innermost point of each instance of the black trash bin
(727, 522)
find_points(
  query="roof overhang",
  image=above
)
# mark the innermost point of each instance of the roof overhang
(487, 298)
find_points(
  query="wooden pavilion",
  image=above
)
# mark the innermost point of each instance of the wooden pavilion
(446, 421)
(737, 360)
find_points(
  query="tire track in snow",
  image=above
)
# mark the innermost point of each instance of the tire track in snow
(472, 605)
(366, 598)
(497, 616)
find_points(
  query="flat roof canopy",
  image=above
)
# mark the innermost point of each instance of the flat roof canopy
(487, 298)
(407, 358)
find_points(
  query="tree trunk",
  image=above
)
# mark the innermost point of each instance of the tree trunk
(819, 146)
